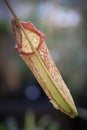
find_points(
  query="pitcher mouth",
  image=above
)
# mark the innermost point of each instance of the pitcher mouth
(18, 36)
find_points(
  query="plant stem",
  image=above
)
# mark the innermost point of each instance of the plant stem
(11, 10)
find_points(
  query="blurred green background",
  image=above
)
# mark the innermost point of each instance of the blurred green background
(23, 104)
